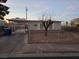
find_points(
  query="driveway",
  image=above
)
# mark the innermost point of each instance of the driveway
(12, 44)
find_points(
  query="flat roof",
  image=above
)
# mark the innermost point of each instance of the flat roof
(22, 20)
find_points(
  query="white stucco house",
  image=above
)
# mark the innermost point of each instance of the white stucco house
(37, 25)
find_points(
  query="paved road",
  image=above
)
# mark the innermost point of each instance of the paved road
(49, 48)
(46, 50)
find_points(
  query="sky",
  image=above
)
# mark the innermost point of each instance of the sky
(64, 10)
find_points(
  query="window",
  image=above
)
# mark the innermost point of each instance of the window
(35, 25)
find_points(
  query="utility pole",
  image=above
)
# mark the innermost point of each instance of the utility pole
(27, 26)
(26, 13)
(43, 17)
(50, 17)
(25, 20)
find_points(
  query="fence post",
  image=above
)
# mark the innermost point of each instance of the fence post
(29, 34)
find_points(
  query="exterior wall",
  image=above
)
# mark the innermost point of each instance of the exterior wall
(56, 26)
(39, 26)
(75, 23)
(42, 27)
(34, 25)
(50, 27)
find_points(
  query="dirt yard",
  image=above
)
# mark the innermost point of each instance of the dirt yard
(62, 37)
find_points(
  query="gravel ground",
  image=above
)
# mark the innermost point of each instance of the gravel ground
(61, 37)
(15, 45)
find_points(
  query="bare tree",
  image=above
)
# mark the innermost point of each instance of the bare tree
(66, 23)
(46, 25)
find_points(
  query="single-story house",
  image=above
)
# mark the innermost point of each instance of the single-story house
(75, 22)
(37, 25)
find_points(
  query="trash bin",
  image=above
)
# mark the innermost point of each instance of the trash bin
(7, 31)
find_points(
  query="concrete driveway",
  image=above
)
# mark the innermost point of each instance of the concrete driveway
(11, 44)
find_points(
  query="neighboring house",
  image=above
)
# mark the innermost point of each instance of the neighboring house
(75, 22)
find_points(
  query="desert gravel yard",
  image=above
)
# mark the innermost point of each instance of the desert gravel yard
(54, 37)
(16, 46)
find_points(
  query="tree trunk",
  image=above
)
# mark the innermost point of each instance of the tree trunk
(46, 32)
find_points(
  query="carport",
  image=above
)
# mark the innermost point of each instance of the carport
(18, 25)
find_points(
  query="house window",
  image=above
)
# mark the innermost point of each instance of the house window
(35, 25)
